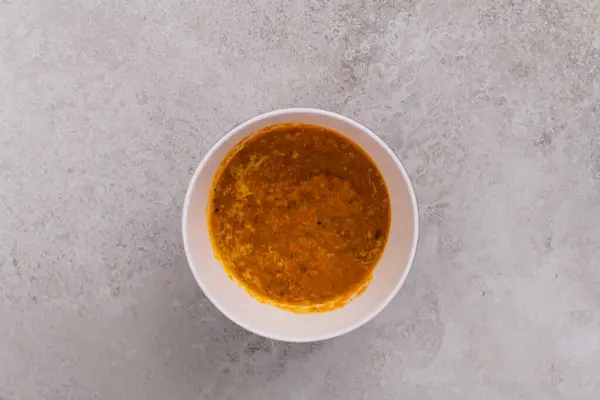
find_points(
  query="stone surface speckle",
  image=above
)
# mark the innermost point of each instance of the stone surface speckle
(107, 106)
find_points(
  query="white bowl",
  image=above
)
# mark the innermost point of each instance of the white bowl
(269, 321)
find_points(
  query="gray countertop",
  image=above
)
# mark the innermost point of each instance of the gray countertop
(107, 106)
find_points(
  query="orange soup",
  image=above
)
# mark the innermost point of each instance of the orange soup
(299, 215)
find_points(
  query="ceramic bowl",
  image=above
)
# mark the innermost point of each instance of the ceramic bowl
(269, 321)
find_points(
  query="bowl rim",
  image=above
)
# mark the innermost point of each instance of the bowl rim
(373, 136)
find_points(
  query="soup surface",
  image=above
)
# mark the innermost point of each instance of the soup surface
(299, 215)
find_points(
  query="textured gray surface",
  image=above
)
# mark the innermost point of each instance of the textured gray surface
(107, 106)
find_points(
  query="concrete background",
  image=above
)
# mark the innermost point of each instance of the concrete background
(107, 106)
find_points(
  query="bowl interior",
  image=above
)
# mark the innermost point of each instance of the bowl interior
(270, 321)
